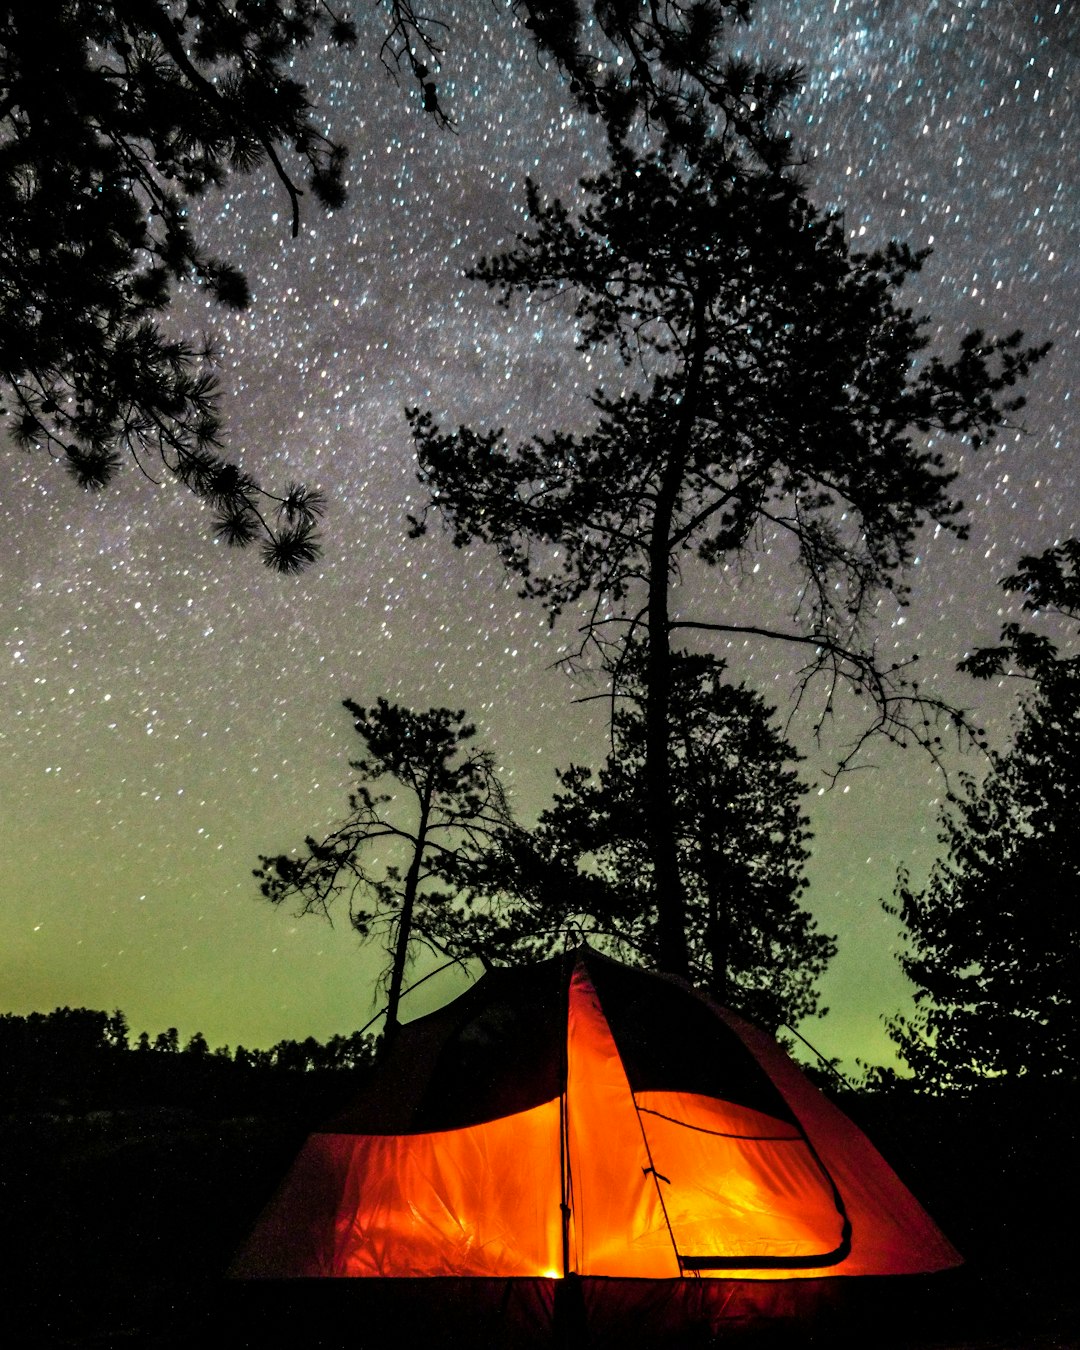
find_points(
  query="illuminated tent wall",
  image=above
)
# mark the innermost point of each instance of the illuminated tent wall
(581, 1118)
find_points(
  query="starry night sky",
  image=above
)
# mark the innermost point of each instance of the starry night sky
(168, 711)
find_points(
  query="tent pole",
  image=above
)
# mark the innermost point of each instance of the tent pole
(564, 1131)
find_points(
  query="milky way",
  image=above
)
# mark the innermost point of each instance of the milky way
(169, 711)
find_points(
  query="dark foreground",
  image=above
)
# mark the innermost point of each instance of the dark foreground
(123, 1219)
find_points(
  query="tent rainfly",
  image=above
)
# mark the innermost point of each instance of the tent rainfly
(581, 1133)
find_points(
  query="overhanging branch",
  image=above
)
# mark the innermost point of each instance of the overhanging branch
(905, 714)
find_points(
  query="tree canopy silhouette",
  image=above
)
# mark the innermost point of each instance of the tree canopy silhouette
(741, 838)
(1050, 585)
(668, 66)
(114, 120)
(449, 804)
(992, 938)
(777, 399)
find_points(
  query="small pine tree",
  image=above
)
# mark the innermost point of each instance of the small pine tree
(450, 803)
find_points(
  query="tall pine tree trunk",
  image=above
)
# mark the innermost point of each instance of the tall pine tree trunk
(669, 896)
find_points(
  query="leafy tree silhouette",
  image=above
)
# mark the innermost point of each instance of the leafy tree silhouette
(666, 66)
(114, 120)
(992, 938)
(777, 400)
(452, 804)
(741, 839)
(741, 846)
(1050, 585)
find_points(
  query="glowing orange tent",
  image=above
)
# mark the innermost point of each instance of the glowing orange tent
(583, 1119)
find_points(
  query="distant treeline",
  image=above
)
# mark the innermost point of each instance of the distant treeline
(85, 1058)
(68, 1033)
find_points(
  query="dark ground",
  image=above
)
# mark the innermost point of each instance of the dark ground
(122, 1209)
